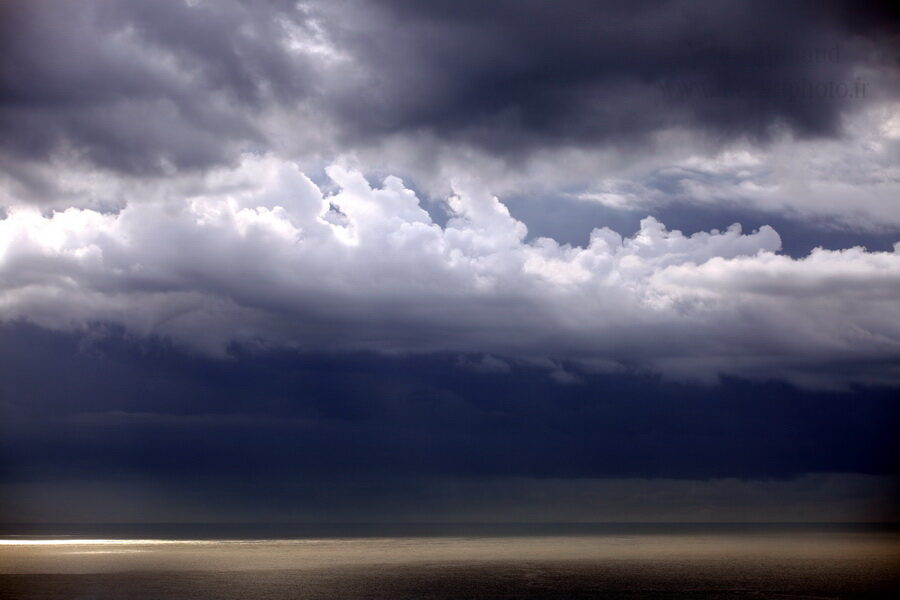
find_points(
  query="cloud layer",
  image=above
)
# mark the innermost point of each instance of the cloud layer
(349, 259)
(181, 77)
(259, 254)
(431, 89)
(110, 406)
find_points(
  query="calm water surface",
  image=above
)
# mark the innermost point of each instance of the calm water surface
(615, 562)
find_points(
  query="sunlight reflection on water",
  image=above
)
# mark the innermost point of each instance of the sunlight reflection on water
(702, 566)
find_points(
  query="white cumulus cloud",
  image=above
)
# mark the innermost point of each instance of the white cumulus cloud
(259, 254)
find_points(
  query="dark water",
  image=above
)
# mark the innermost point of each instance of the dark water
(428, 561)
(275, 531)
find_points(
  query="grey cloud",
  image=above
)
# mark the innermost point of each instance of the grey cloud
(141, 87)
(250, 250)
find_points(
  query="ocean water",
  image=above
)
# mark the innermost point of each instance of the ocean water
(459, 561)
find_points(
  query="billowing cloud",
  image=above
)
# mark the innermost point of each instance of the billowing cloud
(259, 254)
(122, 85)
(175, 86)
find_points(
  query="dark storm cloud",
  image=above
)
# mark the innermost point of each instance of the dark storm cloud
(141, 87)
(107, 427)
(508, 356)
(114, 407)
(514, 75)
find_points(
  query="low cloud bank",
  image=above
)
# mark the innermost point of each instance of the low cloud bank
(261, 255)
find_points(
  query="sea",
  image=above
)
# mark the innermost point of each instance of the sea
(438, 561)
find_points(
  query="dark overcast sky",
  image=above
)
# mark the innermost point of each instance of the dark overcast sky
(449, 260)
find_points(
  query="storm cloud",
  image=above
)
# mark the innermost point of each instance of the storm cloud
(526, 242)
(143, 87)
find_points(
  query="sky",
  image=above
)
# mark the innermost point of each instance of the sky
(449, 261)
